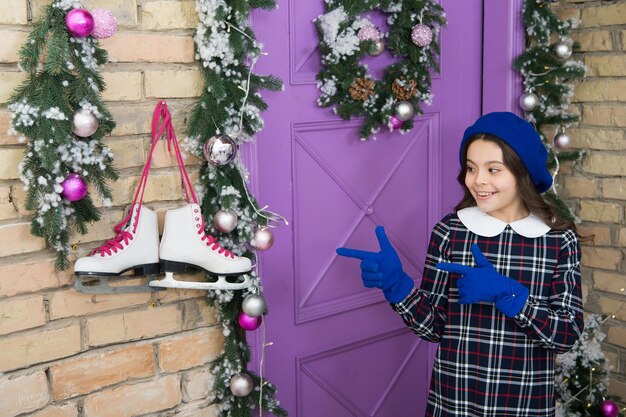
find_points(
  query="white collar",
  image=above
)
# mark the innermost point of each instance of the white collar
(488, 226)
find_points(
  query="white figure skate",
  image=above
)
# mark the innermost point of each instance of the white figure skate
(185, 247)
(136, 248)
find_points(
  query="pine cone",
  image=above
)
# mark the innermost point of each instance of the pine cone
(404, 90)
(362, 88)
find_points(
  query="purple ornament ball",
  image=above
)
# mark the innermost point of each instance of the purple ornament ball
(105, 24)
(79, 22)
(74, 187)
(609, 408)
(247, 322)
(395, 122)
(368, 33)
(421, 35)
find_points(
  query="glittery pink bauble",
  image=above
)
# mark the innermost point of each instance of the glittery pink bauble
(74, 187)
(105, 24)
(421, 35)
(369, 33)
(609, 408)
(395, 122)
(247, 322)
(79, 23)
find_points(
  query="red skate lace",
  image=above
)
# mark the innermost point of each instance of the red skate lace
(162, 112)
(122, 232)
(212, 241)
(114, 244)
(122, 236)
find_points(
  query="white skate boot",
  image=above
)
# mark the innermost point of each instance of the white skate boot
(186, 247)
(136, 248)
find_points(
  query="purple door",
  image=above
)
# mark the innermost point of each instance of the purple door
(338, 349)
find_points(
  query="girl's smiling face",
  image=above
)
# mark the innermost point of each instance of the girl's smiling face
(491, 183)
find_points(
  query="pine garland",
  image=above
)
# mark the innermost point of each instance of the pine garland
(582, 374)
(341, 49)
(231, 104)
(551, 79)
(62, 78)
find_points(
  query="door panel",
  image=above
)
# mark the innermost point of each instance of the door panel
(338, 348)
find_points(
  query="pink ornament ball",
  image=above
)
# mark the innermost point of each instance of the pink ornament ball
(247, 322)
(395, 122)
(79, 22)
(421, 35)
(609, 408)
(368, 33)
(105, 24)
(74, 187)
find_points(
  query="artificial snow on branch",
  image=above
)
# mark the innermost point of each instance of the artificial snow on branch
(58, 111)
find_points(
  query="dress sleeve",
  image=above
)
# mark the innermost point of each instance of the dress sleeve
(557, 323)
(424, 310)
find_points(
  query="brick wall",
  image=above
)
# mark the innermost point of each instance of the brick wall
(596, 188)
(66, 354)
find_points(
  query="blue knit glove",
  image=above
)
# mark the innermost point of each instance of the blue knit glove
(382, 269)
(484, 283)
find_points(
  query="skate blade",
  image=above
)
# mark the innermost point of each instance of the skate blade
(100, 285)
(220, 284)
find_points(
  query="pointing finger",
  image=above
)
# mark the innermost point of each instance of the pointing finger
(354, 253)
(456, 268)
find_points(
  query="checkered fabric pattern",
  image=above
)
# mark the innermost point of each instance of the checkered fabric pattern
(488, 364)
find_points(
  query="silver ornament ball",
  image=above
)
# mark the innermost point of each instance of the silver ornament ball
(225, 220)
(528, 101)
(84, 123)
(403, 110)
(263, 239)
(220, 150)
(241, 385)
(562, 50)
(562, 140)
(378, 48)
(254, 305)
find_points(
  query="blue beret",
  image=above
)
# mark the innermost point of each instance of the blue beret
(519, 135)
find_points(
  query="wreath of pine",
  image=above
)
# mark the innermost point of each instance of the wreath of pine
(345, 83)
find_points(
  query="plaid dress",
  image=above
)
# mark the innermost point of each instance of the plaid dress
(488, 364)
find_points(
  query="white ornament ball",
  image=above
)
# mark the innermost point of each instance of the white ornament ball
(84, 123)
(263, 239)
(378, 48)
(528, 101)
(254, 305)
(403, 110)
(562, 50)
(225, 220)
(421, 35)
(105, 24)
(241, 385)
(562, 140)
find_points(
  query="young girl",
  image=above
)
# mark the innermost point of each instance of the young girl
(501, 289)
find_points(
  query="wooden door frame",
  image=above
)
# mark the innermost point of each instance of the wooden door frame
(503, 41)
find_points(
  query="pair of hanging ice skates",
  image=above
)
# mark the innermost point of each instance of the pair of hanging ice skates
(184, 246)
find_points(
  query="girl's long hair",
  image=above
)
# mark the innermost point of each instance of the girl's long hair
(532, 200)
